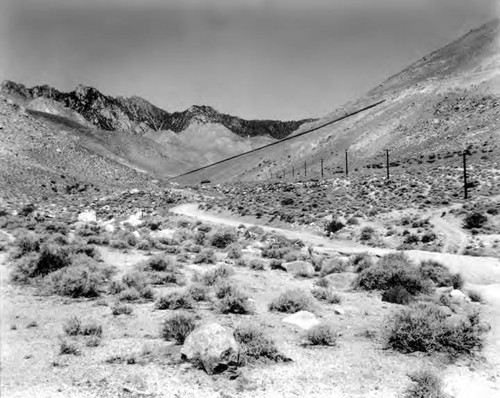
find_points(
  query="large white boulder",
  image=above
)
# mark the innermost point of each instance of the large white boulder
(303, 319)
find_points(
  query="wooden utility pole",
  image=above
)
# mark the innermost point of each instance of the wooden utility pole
(321, 168)
(346, 164)
(293, 172)
(387, 162)
(305, 169)
(465, 176)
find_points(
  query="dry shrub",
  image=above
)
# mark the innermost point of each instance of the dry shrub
(178, 326)
(322, 334)
(292, 301)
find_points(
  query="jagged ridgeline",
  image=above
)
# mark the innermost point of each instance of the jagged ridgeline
(140, 116)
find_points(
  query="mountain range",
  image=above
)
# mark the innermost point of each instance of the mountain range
(442, 104)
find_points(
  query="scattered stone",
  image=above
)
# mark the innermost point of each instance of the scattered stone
(87, 216)
(302, 268)
(303, 319)
(458, 297)
(212, 346)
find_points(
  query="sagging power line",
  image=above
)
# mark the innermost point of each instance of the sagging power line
(280, 141)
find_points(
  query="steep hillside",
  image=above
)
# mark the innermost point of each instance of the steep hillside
(37, 161)
(137, 115)
(444, 103)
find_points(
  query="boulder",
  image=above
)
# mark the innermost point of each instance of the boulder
(212, 346)
(303, 319)
(87, 216)
(302, 268)
(458, 297)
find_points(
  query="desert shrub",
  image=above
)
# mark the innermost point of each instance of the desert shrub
(429, 237)
(439, 274)
(257, 264)
(326, 294)
(475, 296)
(27, 243)
(73, 326)
(425, 328)
(292, 301)
(255, 346)
(360, 261)
(89, 250)
(144, 244)
(475, 220)
(98, 240)
(322, 334)
(27, 209)
(157, 263)
(333, 266)
(178, 326)
(353, 221)
(51, 258)
(225, 288)
(211, 277)
(68, 348)
(147, 293)
(206, 256)
(394, 269)
(198, 292)
(236, 302)
(174, 301)
(167, 277)
(276, 264)
(322, 282)
(222, 239)
(397, 295)
(130, 294)
(135, 279)
(119, 309)
(91, 329)
(204, 228)
(425, 385)
(234, 251)
(366, 234)
(89, 229)
(411, 239)
(334, 226)
(77, 281)
(116, 287)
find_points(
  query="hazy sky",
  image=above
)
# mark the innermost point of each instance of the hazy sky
(284, 59)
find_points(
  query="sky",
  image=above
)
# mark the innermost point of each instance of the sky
(265, 59)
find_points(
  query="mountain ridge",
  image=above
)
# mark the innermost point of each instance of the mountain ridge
(139, 116)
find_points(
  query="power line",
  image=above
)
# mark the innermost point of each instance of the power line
(280, 141)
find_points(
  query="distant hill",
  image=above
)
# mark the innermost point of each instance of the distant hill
(137, 115)
(442, 104)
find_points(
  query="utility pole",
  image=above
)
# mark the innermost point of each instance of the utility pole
(387, 162)
(305, 169)
(293, 172)
(321, 168)
(346, 164)
(284, 174)
(465, 175)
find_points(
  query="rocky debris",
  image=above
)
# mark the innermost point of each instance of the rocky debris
(303, 319)
(301, 268)
(212, 346)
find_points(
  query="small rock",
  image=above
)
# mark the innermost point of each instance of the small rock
(302, 268)
(303, 319)
(87, 216)
(211, 345)
(339, 310)
(445, 311)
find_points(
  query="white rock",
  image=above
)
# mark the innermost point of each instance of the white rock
(303, 319)
(457, 296)
(87, 216)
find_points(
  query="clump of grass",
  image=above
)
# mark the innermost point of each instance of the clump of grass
(77, 281)
(292, 301)
(334, 226)
(425, 328)
(327, 295)
(255, 346)
(234, 251)
(178, 326)
(119, 309)
(207, 256)
(322, 282)
(425, 385)
(75, 327)
(322, 334)
(361, 261)
(174, 301)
